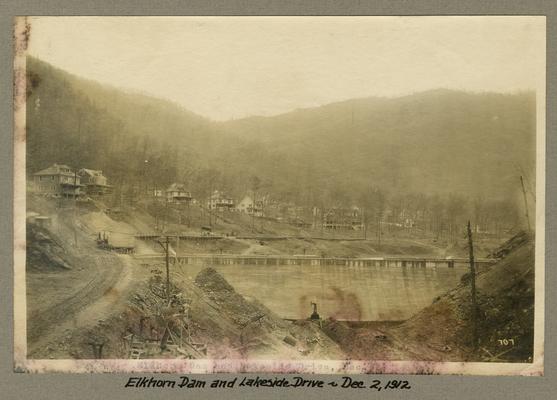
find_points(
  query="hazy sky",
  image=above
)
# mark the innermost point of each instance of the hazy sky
(230, 67)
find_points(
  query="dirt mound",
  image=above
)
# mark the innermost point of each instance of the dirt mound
(250, 330)
(43, 250)
(505, 298)
(210, 280)
(516, 241)
(233, 305)
(205, 318)
(367, 340)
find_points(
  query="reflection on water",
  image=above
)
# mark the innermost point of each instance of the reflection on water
(345, 292)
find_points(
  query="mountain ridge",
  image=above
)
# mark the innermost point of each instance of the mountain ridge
(440, 141)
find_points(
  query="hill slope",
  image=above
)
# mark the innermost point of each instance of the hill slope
(82, 123)
(435, 142)
(443, 331)
(506, 308)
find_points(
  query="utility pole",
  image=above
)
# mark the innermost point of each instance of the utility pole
(364, 223)
(209, 211)
(166, 248)
(210, 204)
(379, 230)
(253, 214)
(525, 204)
(167, 270)
(166, 218)
(75, 207)
(322, 215)
(473, 288)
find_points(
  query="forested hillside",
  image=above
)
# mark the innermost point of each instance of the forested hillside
(84, 124)
(440, 143)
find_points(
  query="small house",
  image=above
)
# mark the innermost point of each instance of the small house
(94, 181)
(248, 206)
(343, 219)
(177, 194)
(220, 202)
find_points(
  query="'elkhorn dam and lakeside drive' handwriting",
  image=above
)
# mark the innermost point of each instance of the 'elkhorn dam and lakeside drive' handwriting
(295, 382)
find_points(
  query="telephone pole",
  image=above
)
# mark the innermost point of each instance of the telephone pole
(364, 223)
(166, 247)
(379, 231)
(75, 207)
(253, 214)
(473, 288)
(167, 269)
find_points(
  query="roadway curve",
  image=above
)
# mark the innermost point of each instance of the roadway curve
(101, 296)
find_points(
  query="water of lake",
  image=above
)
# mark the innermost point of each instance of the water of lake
(344, 292)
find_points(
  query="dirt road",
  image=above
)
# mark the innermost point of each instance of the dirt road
(102, 295)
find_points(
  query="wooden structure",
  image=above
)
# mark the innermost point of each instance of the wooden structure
(234, 259)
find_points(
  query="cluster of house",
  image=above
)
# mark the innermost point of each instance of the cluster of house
(218, 201)
(331, 219)
(59, 180)
(334, 218)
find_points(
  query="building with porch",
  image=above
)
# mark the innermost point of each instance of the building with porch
(343, 219)
(177, 194)
(58, 180)
(94, 182)
(220, 202)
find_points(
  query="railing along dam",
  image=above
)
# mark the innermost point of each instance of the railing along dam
(237, 259)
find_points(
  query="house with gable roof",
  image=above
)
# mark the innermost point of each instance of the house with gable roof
(58, 180)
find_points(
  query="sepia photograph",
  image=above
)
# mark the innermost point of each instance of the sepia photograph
(279, 194)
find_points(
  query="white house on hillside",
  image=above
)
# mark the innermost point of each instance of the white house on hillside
(220, 202)
(248, 206)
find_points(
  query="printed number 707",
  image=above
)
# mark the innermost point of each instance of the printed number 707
(506, 342)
